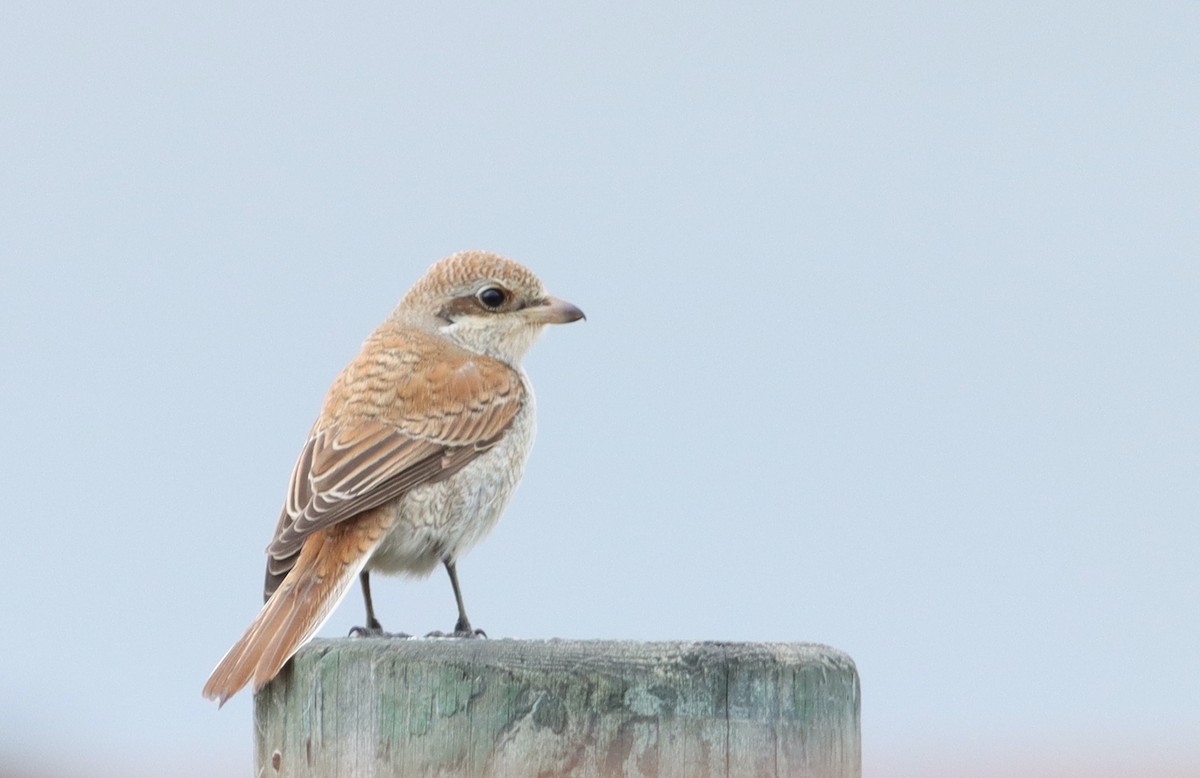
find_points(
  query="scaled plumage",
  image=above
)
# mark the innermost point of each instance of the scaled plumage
(420, 444)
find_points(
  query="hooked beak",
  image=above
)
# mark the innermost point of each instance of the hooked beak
(552, 310)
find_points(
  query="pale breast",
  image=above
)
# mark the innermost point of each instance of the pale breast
(446, 519)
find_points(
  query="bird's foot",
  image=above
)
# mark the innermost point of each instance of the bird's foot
(375, 632)
(461, 630)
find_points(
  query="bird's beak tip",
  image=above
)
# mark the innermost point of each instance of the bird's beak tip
(556, 311)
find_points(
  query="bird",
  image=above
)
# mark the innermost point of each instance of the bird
(419, 445)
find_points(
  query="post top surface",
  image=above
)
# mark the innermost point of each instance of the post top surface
(573, 652)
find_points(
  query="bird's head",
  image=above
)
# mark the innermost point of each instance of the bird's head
(486, 304)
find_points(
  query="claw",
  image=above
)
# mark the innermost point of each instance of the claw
(375, 632)
(465, 633)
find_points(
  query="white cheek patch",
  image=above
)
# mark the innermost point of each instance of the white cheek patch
(506, 337)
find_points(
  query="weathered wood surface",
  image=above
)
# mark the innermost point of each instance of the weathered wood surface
(356, 708)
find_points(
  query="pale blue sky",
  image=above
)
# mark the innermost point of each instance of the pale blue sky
(892, 344)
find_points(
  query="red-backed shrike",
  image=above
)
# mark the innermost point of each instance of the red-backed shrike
(416, 452)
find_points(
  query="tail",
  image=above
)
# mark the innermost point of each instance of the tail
(325, 569)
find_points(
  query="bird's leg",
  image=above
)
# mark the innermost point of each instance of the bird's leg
(463, 625)
(462, 629)
(373, 629)
(373, 624)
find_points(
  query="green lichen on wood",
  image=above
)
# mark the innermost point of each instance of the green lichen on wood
(583, 709)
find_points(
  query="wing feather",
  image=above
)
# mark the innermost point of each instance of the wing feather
(377, 439)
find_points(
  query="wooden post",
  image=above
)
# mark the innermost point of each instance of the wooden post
(362, 707)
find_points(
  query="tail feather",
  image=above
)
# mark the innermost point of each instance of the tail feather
(325, 570)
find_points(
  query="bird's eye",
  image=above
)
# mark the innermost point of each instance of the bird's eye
(492, 297)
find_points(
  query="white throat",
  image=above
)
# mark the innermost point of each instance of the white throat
(501, 337)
